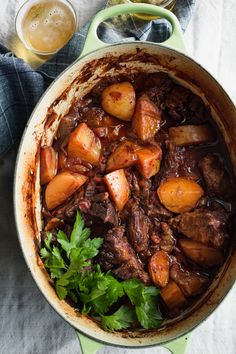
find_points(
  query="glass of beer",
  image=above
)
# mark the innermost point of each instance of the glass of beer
(45, 26)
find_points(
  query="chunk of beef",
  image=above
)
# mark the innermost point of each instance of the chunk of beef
(67, 210)
(90, 189)
(203, 225)
(117, 254)
(139, 186)
(93, 116)
(129, 270)
(145, 186)
(161, 80)
(167, 238)
(67, 124)
(154, 209)
(176, 103)
(179, 161)
(130, 207)
(105, 211)
(157, 87)
(138, 231)
(215, 176)
(191, 283)
(197, 108)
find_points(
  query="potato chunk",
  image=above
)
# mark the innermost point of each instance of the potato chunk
(201, 254)
(48, 164)
(173, 296)
(124, 156)
(179, 194)
(185, 135)
(118, 187)
(158, 268)
(119, 100)
(149, 161)
(146, 119)
(83, 143)
(61, 187)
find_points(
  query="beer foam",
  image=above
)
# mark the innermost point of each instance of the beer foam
(56, 11)
(34, 25)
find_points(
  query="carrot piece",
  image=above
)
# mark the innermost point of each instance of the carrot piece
(149, 161)
(48, 164)
(158, 268)
(83, 143)
(179, 194)
(203, 255)
(61, 187)
(146, 119)
(173, 296)
(118, 187)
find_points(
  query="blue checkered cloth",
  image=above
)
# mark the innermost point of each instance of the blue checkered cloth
(21, 86)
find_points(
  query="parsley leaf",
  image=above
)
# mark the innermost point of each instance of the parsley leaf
(122, 318)
(70, 264)
(100, 291)
(78, 237)
(52, 258)
(144, 298)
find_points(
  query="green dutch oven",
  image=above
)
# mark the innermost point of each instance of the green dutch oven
(97, 60)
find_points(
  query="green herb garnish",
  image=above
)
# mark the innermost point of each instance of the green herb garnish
(71, 267)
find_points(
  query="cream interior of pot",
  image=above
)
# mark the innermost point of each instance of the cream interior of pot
(76, 82)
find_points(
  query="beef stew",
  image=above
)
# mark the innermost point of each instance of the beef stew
(143, 162)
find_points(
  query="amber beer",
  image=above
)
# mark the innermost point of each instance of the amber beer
(46, 26)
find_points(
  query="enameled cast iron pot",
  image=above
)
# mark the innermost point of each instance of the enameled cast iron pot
(97, 60)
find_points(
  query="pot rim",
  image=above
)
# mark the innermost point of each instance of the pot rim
(86, 56)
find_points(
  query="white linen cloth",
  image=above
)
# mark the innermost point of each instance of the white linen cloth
(28, 325)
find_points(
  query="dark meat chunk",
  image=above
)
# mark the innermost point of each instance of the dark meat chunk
(154, 209)
(203, 225)
(197, 108)
(93, 116)
(67, 124)
(129, 270)
(158, 86)
(117, 254)
(129, 208)
(104, 211)
(101, 197)
(167, 238)
(138, 231)
(161, 80)
(145, 186)
(179, 161)
(90, 189)
(191, 283)
(215, 176)
(93, 187)
(67, 211)
(115, 249)
(176, 103)
(139, 186)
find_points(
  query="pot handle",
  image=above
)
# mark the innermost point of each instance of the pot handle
(90, 346)
(92, 41)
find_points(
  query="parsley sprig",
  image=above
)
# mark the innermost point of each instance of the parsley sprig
(71, 268)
